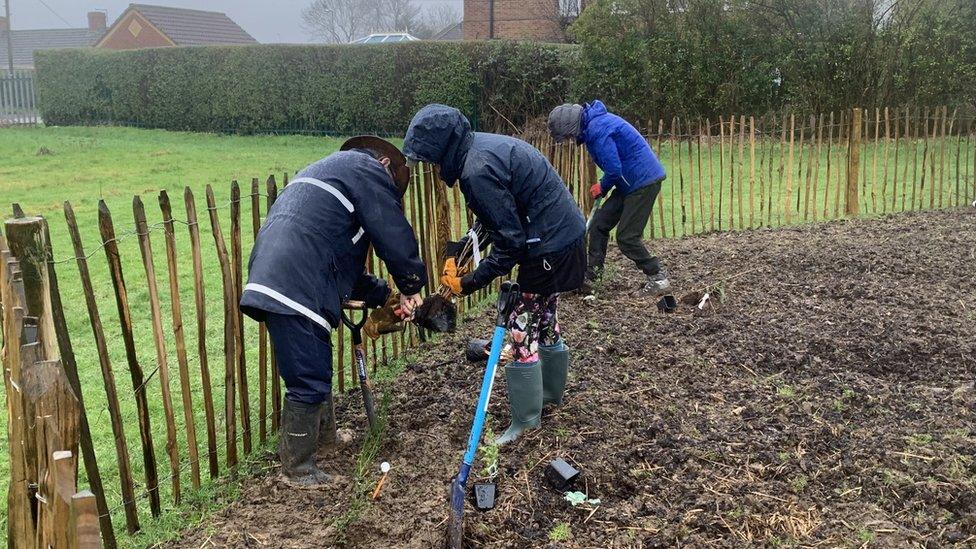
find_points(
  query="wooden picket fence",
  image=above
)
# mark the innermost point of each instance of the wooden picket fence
(44, 413)
(731, 174)
(18, 98)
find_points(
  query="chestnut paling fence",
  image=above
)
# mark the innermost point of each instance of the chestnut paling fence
(155, 300)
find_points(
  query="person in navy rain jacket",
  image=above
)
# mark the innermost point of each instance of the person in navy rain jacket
(629, 166)
(533, 222)
(308, 258)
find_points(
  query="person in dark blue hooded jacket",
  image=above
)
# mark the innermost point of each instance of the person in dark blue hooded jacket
(631, 168)
(532, 222)
(310, 257)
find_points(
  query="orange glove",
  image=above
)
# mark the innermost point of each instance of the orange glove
(596, 190)
(450, 276)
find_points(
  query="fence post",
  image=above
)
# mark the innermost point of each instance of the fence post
(853, 206)
(20, 524)
(45, 415)
(83, 529)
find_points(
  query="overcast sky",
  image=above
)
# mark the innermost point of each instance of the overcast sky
(267, 21)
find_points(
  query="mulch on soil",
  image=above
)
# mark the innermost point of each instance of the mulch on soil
(824, 396)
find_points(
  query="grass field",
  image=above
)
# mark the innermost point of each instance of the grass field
(43, 167)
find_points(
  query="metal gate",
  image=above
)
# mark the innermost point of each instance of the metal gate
(18, 98)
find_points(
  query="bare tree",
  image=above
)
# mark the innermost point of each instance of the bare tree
(435, 20)
(399, 15)
(340, 21)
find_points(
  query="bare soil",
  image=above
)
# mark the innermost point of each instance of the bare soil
(822, 396)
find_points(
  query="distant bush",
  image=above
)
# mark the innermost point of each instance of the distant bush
(654, 58)
(286, 88)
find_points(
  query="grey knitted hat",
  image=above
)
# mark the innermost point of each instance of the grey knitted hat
(565, 121)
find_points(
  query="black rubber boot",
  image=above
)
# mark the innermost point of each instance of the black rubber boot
(328, 433)
(555, 368)
(524, 400)
(476, 351)
(296, 447)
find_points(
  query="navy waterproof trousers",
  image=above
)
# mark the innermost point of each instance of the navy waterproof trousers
(303, 353)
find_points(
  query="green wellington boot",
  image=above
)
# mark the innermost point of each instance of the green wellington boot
(296, 447)
(524, 400)
(555, 367)
(328, 433)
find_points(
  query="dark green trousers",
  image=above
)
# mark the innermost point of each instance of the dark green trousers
(629, 214)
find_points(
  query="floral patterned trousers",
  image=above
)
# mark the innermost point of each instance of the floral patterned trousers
(533, 323)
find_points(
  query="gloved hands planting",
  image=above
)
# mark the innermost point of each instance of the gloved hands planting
(450, 276)
(387, 319)
(409, 304)
(596, 191)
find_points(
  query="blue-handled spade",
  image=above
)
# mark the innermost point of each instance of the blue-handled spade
(455, 526)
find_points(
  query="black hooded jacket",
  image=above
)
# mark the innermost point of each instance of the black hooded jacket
(310, 255)
(508, 184)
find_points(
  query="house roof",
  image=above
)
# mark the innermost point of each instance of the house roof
(451, 32)
(26, 42)
(386, 38)
(188, 27)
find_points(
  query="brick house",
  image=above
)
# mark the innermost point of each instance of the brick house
(543, 20)
(28, 41)
(145, 26)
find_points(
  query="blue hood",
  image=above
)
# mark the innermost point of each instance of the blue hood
(591, 111)
(440, 135)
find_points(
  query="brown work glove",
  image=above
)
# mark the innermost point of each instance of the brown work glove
(385, 320)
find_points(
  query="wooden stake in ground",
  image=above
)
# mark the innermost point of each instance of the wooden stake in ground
(788, 202)
(162, 362)
(262, 329)
(782, 168)
(70, 366)
(810, 162)
(275, 380)
(841, 170)
(904, 179)
(711, 180)
(676, 159)
(830, 141)
(795, 205)
(701, 180)
(108, 377)
(887, 142)
(816, 169)
(752, 170)
(200, 304)
(20, 519)
(915, 159)
(111, 247)
(230, 333)
(874, 162)
(237, 271)
(853, 206)
(738, 191)
(721, 169)
(894, 182)
(84, 522)
(762, 163)
(176, 308)
(691, 180)
(660, 200)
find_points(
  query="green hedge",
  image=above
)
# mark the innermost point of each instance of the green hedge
(285, 88)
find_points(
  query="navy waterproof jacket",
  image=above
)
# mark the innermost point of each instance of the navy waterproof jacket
(623, 154)
(310, 255)
(508, 184)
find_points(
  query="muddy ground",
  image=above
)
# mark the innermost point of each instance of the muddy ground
(827, 400)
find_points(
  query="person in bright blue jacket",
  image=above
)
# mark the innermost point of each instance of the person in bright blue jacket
(630, 170)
